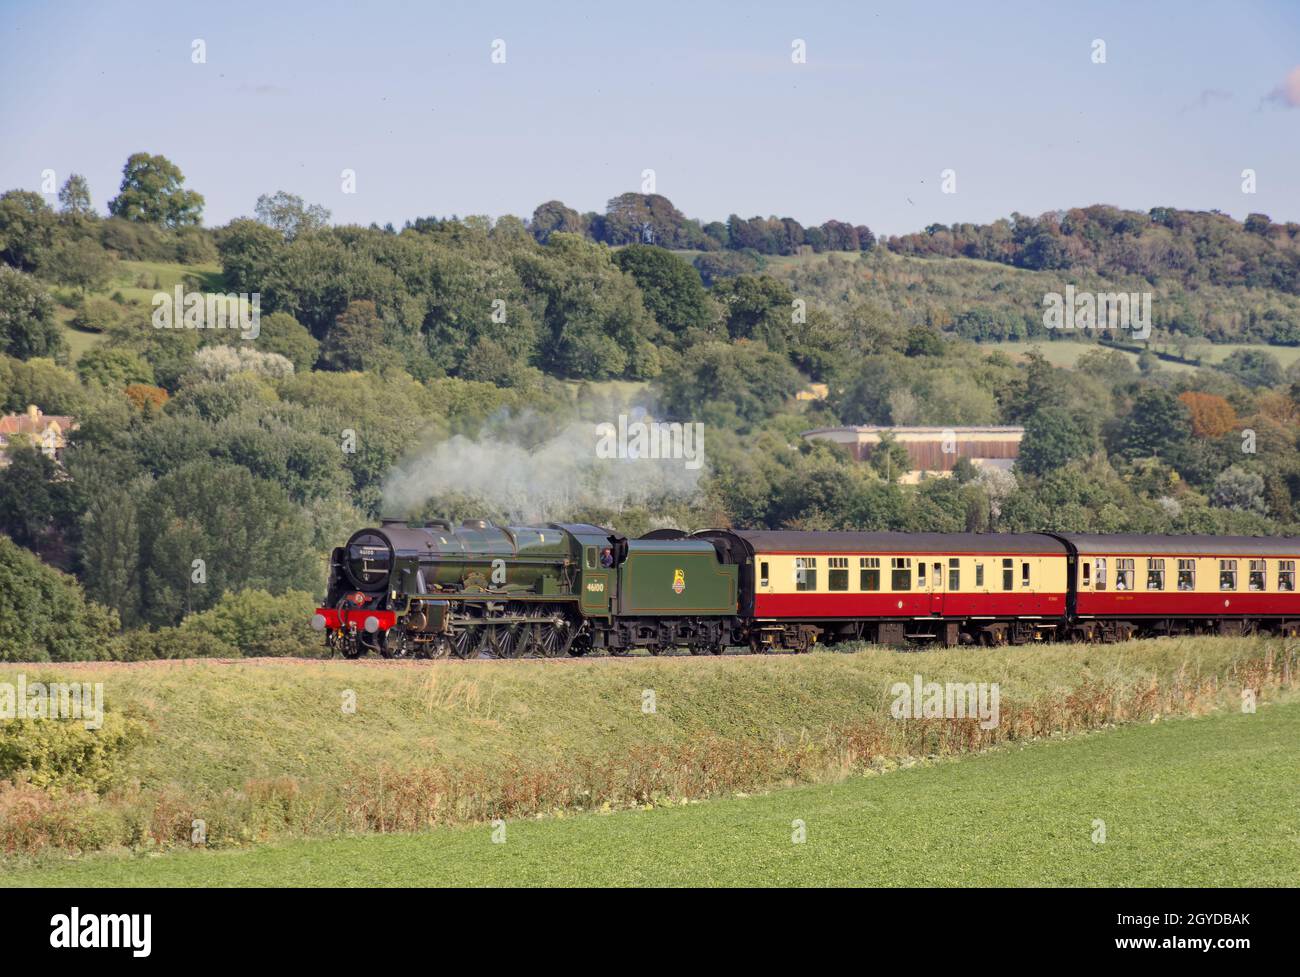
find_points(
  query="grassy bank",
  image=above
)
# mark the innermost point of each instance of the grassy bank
(1198, 802)
(262, 750)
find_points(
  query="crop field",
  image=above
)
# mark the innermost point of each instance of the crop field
(1187, 802)
(259, 751)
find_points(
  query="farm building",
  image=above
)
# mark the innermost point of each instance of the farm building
(934, 451)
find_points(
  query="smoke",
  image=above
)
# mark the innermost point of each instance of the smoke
(510, 471)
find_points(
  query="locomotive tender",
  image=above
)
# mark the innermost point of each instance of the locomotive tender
(482, 590)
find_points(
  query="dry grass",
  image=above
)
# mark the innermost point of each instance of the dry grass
(451, 743)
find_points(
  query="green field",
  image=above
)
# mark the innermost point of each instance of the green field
(1197, 802)
(269, 750)
(136, 282)
(1066, 354)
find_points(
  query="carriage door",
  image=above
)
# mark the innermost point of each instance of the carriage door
(936, 588)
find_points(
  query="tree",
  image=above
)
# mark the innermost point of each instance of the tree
(74, 197)
(83, 264)
(594, 323)
(244, 530)
(1211, 415)
(670, 287)
(553, 216)
(151, 193)
(42, 382)
(732, 384)
(1253, 367)
(44, 615)
(110, 549)
(356, 341)
(31, 500)
(113, 367)
(1157, 426)
(756, 307)
(27, 326)
(250, 253)
(27, 228)
(889, 459)
(1053, 438)
(1239, 490)
(282, 333)
(287, 214)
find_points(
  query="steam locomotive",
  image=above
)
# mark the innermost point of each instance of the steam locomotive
(482, 590)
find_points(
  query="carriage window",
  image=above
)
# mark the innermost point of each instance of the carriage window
(979, 574)
(1124, 574)
(1227, 574)
(1024, 574)
(1286, 575)
(900, 577)
(954, 574)
(1258, 575)
(1155, 574)
(762, 574)
(805, 573)
(1087, 574)
(1186, 574)
(920, 574)
(1099, 580)
(869, 572)
(838, 578)
(1008, 574)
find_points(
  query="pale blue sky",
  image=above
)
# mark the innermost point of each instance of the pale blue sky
(705, 94)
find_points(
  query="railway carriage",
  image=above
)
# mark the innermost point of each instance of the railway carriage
(1127, 584)
(893, 587)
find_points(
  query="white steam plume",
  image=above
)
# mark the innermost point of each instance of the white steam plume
(546, 481)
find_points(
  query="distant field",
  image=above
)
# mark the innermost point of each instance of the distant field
(1196, 802)
(135, 281)
(1066, 354)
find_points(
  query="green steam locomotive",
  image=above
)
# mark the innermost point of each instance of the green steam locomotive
(483, 590)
